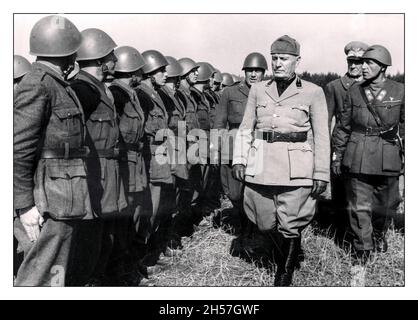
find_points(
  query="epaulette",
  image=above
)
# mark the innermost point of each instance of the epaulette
(298, 82)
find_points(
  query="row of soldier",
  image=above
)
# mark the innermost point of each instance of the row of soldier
(94, 201)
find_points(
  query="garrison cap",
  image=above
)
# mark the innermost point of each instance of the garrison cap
(355, 49)
(287, 45)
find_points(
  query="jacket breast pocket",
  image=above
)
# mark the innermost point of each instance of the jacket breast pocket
(391, 158)
(301, 161)
(156, 121)
(66, 191)
(236, 107)
(131, 126)
(255, 159)
(100, 125)
(70, 121)
(390, 113)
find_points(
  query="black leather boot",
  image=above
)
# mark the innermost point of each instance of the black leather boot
(291, 251)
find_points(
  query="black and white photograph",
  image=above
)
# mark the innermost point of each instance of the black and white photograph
(199, 149)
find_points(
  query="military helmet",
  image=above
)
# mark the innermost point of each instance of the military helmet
(21, 66)
(255, 60)
(218, 76)
(174, 68)
(378, 53)
(129, 59)
(235, 78)
(95, 44)
(227, 80)
(153, 61)
(54, 36)
(205, 71)
(187, 65)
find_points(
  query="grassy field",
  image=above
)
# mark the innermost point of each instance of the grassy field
(206, 261)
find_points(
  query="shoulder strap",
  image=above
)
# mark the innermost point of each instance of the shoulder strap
(370, 107)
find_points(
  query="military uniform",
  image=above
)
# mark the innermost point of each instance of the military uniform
(373, 163)
(287, 167)
(229, 115)
(49, 172)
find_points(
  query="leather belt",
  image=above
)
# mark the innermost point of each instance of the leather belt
(274, 136)
(107, 153)
(134, 146)
(234, 125)
(65, 153)
(368, 131)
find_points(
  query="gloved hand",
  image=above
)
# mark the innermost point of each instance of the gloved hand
(32, 221)
(318, 187)
(336, 167)
(238, 172)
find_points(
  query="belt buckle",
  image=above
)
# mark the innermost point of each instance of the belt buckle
(368, 131)
(269, 136)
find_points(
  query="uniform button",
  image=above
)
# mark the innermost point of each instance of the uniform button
(275, 115)
(100, 119)
(273, 126)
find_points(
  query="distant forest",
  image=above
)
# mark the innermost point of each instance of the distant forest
(321, 79)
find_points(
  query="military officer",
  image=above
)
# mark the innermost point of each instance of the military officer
(132, 165)
(229, 115)
(97, 60)
(367, 144)
(21, 66)
(51, 197)
(282, 152)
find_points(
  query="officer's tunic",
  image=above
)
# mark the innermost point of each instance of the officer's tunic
(373, 163)
(49, 118)
(288, 168)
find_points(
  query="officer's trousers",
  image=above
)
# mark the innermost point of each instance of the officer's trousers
(373, 201)
(58, 256)
(287, 209)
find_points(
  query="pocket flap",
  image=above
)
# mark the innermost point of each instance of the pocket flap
(66, 172)
(67, 113)
(131, 113)
(100, 116)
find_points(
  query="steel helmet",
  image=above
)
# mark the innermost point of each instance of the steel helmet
(174, 68)
(54, 36)
(95, 44)
(187, 65)
(378, 53)
(227, 80)
(21, 66)
(255, 60)
(211, 66)
(205, 71)
(218, 76)
(129, 59)
(235, 78)
(153, 61)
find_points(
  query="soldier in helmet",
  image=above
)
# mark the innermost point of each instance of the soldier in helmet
(156, 148)
(178, 158)
(97, 60)
(217, 83)
(367, 144)
(335, 92)
(282, 151)
(127, 77)
(229, 116)
(227, 81)
(204, 201)
(21, 66)
(51, 197)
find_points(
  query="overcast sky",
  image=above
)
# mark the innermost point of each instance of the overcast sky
(224, 40)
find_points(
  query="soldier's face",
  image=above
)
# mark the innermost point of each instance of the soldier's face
(109, 63)
(253, 75)
(371, 69)
(354, 68)
(160, 76)
(212, 82)
(284, 65)
(192, 76)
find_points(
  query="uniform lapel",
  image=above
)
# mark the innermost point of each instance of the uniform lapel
(132, 94)
(155, 97)
(102, 90)
(244, 88)
(290, 91)
(271, 91)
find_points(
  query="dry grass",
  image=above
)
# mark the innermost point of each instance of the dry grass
(206, 261)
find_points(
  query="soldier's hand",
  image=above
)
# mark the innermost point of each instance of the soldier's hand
(32, 221)
(336, 168)
(238, 172)
(318, 187)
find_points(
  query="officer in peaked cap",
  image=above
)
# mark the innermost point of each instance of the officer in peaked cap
(285, 166)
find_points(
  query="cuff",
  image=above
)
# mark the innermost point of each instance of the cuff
(323, 176)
